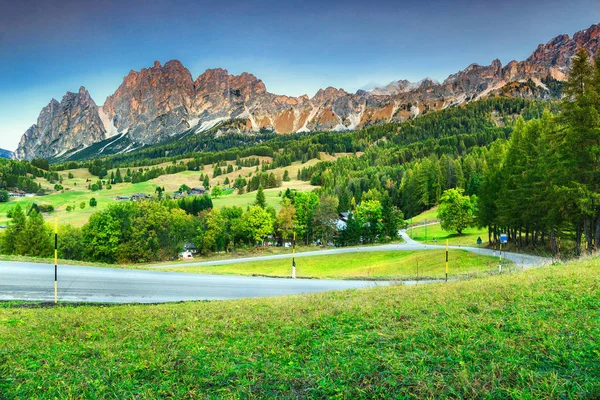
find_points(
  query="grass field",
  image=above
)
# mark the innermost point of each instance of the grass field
(425, 217)
(372, 265)
(76, 192)
(427, 234)
(533, 334)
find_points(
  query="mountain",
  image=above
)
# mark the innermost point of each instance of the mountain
(158, 103)
(5, 153)
(73, 123)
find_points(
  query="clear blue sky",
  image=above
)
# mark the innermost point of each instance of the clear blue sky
(50, 46)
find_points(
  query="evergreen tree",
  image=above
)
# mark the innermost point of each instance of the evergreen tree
(14, 231)
(260, 198)
(35, 239)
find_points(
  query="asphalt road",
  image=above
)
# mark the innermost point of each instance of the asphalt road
(35, 282)
(28, 281)
(521, 260)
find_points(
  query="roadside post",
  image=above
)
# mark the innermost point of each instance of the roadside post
(503, 240)
(446, 260)
(56, 261)
(294, 257)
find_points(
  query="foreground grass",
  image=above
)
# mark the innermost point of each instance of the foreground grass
(435, 234)
(371, 265)
(534, 334)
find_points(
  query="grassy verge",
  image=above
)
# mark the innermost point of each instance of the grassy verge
(434, 234)
(425, 217)
(356, 265)
(534, 334)
(38, 260)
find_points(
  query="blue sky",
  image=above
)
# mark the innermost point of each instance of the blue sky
(48, 47)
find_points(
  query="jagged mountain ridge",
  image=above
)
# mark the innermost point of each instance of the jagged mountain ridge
(5, 153)
(159, 102)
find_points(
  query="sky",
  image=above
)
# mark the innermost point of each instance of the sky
(49, 47)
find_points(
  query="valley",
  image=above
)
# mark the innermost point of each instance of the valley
(181, 231)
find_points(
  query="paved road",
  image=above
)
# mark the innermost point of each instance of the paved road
(25, 281)
(521, 260)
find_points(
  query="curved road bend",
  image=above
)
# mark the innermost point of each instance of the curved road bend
(35, 282)
(28, 281)
(521, 260)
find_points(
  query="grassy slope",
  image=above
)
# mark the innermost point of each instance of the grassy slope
(534, 334)
(426, 234)
(76, 191)
(393, 264)
(425, 217)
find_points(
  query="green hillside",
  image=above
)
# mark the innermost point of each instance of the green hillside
(534, 334)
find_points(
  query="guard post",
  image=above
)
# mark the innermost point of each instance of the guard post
(446, 260)
(503, 240)
(294, 257)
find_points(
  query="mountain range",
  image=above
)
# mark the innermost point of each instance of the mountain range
(160, 102)
(5, 153)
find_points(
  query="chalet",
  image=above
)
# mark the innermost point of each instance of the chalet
(140, 197)
(191, 247)
(342, 221)
(17, 193)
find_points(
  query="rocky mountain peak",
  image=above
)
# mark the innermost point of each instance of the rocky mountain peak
(166, 91)
(588, 35)
(330, 93)
(73, 123)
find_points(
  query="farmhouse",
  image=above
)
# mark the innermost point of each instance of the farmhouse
(140, 197)
(17, 193)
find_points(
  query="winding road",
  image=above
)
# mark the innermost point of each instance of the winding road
(521, 260)
(34, 282)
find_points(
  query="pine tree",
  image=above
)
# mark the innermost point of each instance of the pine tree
(35, 239)
(260, 198)
(14, 231)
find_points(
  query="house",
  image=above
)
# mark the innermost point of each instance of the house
(344, 216)
(17, 193)
(178, 195)
(122, 198)
(140, 197)
(190, 247)
(186, 255)
(342, 222)
(198, 191)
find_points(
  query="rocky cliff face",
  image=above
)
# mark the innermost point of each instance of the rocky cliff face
(71, 124)
(153, 103)
(157, 102)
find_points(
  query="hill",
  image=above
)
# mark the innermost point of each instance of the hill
(533, 334)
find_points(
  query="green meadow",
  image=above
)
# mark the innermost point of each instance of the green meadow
(434, 234)
(532, 334)
(365, 265)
